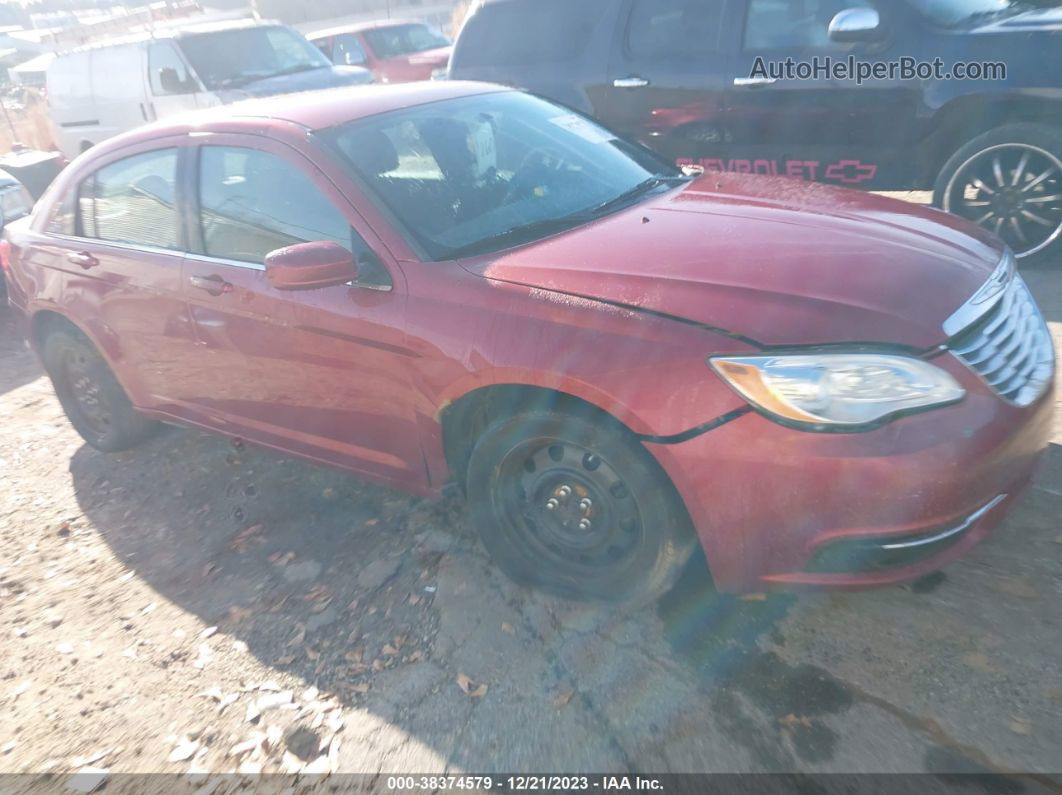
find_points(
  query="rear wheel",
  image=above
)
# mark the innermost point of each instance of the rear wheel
(91, 396)
(1009, 181)
(576, 507)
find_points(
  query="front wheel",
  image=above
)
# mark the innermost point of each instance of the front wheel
(1009, 181)
(576, 507)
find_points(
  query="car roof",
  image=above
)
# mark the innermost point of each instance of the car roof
(357, 27)
(177, 31)
(311, 110)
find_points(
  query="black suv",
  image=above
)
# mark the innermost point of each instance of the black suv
(682, 77)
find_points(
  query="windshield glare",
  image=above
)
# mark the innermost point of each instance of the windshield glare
(950, 13)
(228, 58)
(398, 40)
(458, 173)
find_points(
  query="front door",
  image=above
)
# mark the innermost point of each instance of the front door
(321, 372)
(172, 88)
(820, 128)
(665, 79)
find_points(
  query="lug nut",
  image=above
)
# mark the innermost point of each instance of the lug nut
(586, 504)
(584, 524)
(565, 491)
(552, 505)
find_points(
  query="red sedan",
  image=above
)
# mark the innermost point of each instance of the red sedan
(456, 285)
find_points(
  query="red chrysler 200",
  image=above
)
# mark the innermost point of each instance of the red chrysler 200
(455, 285)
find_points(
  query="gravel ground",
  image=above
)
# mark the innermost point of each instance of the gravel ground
(194, 607)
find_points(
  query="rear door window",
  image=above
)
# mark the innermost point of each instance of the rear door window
(543, 31)
(669, 28)
(348, 50)
(132, 201)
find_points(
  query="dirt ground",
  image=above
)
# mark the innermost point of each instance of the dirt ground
(196, 607)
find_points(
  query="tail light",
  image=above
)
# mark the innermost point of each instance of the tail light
(5, 256)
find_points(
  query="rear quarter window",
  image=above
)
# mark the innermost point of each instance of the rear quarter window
(522, 32)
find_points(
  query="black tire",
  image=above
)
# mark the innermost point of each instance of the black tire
(91, 396)
(1019, 167)
(638, 538)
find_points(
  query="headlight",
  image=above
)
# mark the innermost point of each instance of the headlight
(842, 390)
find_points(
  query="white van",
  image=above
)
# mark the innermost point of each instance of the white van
(98, 91)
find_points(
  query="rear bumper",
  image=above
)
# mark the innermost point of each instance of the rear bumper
(777, 507)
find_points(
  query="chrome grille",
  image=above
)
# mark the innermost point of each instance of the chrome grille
(1010, 346)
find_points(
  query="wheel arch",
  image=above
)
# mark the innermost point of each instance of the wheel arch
(464, 419)
(964, 118)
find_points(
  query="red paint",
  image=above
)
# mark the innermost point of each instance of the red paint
(400, 69)
(358, 378)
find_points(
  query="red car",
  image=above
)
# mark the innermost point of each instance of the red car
(394, 50)
(454, 284)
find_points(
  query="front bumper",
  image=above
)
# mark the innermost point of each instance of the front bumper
(778, 507)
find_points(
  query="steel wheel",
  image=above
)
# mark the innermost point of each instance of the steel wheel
(564, 504)
(89, 396)
(1013, 190)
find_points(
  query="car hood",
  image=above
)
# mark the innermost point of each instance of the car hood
(310, 80)
(775, 260)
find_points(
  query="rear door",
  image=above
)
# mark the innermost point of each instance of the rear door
(321, 372)
(118, 238)
(666, 76)
(556, 48)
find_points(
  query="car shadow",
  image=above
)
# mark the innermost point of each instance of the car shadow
(20, 365)
(342, 584)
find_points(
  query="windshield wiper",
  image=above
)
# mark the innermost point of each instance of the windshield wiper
(640, 189)
(563, 223)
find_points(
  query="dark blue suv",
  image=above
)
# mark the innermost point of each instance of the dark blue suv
(716, 83)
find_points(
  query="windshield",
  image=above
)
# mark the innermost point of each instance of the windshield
(952, 13)
(229, 58)
(488, 172)
(392, 42)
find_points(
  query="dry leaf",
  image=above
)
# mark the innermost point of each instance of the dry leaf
(470, 688)
(389, 650)
(353, 605)
(372, 522)
(1020, 726)
(281, 558)
(398, 641)
(360, 687)
(414, 599)
(299, 636)
(377, 665)
(287, 659)
(563, 698)
(753, 597)
(237, 614)
(507, 628)
(791, 721)
(312, 654)
(355, 655)
(242, 540)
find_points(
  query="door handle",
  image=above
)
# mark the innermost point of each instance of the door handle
(753, 82)
(630, 82)
(212, 284)
(82, 258)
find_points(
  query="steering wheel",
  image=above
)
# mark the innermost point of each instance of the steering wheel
(530, 166)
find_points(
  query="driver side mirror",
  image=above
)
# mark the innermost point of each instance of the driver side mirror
(310, 266)
(855, 24)
(172, 83)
